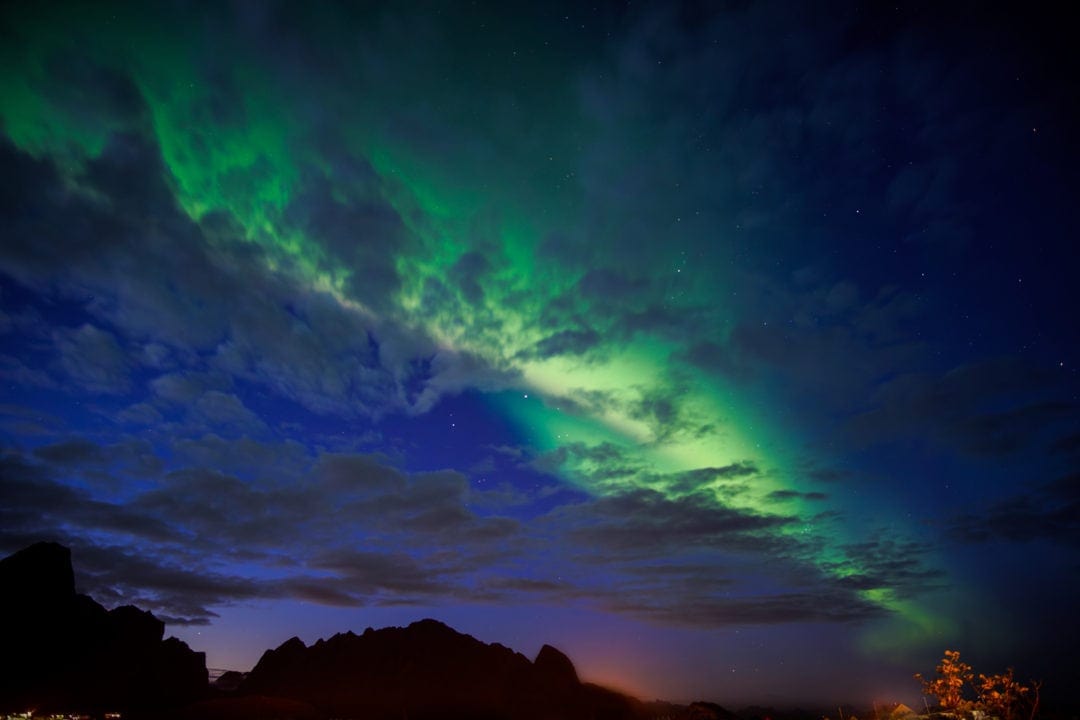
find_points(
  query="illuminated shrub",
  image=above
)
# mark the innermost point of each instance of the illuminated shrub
(999, 696)
(948, 686)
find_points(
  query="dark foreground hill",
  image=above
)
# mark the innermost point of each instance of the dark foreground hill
(429, 670)
(62, 651)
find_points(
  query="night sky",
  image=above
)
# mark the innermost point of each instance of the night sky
(731, 348)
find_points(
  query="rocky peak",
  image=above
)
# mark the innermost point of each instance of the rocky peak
(554, 666)
(40, 572)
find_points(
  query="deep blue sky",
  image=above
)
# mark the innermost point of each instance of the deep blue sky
(730, 348)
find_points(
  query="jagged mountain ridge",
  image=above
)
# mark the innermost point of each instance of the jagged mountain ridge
(65, 652)
(430, 670)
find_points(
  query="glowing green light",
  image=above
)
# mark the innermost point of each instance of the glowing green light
(233, 141)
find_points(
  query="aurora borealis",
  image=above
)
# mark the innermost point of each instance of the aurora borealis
(730, 348)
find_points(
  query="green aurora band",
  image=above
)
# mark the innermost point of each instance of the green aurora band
(495, 193)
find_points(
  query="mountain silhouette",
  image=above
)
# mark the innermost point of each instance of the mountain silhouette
(62, 651)
(429, 670)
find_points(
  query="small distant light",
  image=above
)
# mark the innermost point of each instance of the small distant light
(526, 396)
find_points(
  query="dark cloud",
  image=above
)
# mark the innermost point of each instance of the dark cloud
(1049, 512)
(643, 523)
(660, 409)
(200, 513)
(93, 358)
(73, 452)
(531, 585)
(602, 463)
(34, 500)
(362, 234)
(213, 303)
(996, 407)
(1013, 430)
(817, 341)
(834, 606)
(468, 274)
(729, 480)
(425, 507)
(184, 591)
(141, 414)
(566, 342)
(29, 422)
(887, 563)
(130, 455)
(827, 475)
(107, 99)
(272, 460)
(13, 370)
(453, 372)
(783, 495)
(225, 410)
(1067, 444)
(216, 509)
(388, 574)
(413, 538)
(183, 388)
